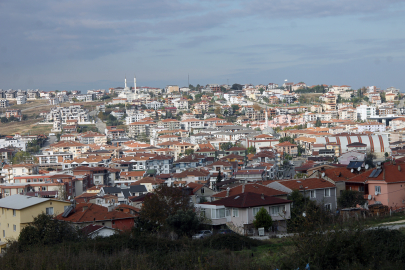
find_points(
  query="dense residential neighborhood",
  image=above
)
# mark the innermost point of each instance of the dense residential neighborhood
(230, 150)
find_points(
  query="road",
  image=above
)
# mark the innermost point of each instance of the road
(101, 126)
(51, 140)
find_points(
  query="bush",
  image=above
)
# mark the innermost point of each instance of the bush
(232, 242)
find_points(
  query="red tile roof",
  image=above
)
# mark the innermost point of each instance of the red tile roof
(308, 183)
(249, 199)
(255, 188)
(90, 212)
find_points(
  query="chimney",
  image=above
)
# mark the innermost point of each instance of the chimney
(227, 191)
(262, 196)
(399, 168)
(243, 188)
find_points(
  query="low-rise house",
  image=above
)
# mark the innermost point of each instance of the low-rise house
(322, 191)
(18, 211)
(84, 214)
(239, 211)
(192, 176)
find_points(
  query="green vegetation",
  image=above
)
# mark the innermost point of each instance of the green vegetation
(263, 219)
(286, 139)
(351, 198)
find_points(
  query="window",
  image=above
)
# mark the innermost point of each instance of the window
(327, 192)
(377, 190)
(14, 213)
(328, 207)
(312, 194)
(227, 212)
(361, 188)
(14, 228)
(277, 210)
(255, 210)
(202, 190)
(235, 212)
(49, 210)
(43, 188)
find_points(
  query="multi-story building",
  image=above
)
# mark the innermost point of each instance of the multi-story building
(139, 128)
(4, 103)
(365, 111)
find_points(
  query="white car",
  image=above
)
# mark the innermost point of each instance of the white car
(202, 234)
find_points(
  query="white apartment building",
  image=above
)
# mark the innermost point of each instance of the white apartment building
(74, 112)
(4, 103)
(365, 111)
(13, 143)
(21, 100)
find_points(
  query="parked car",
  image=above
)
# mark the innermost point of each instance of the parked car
(202, 234)
(226, 231)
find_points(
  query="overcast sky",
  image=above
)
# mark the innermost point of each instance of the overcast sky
(92, 44)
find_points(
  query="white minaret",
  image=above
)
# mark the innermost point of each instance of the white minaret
(135, 84)
(125, 81)
(267, 120)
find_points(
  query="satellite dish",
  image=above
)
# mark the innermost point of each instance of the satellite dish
(352, 170)
(366, 166)
(369, 197)
(69, 198)
(304, 214)
(359, 169)
(323, 174)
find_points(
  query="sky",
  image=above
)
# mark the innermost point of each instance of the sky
(94, 44)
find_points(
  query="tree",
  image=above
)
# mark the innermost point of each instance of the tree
(226, 146)
(158, 206)
(261, 90)
(369, 159)
(303, 212)
(251, 150)
(22, 157)
(184, 222)
(189, 151)
(219, 178)
(351, 198)
(217, 111)
(75, 99)
(382, 95)
(45, 230)
(263, 219)
(386, 154)
(318, 122)
(236, 86)
(235, 108)
(58, 137)
(4, 120)
(286, 139)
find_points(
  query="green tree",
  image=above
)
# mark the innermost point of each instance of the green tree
(22, 157)
(263, 219)
(251, 150)
(45, 230)
(158, 206)
(75, 99)
(261, 90)
(219, 178)
(189, 151)
(351, 198)
(236, 86)
(226, 146)
(305, 213)
(4, 120)
(382, 95)
(318, 122)
(386, 154)
(184, 222)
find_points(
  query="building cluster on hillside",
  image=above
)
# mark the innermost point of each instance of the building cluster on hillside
(232, 149)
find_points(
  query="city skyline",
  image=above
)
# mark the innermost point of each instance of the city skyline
(73, 45)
